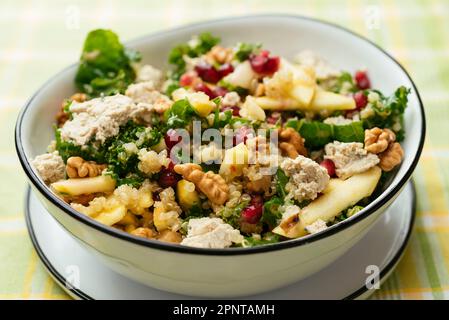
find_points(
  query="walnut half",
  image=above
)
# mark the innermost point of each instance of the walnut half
(382, 142)
(77, 167)
(209, 183)
(391, 157)
(377, 140)
(291, 143)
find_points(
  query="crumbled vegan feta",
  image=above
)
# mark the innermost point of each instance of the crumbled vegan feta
(147, 98)
(98, 119)
(231, 99)
(50, 167)
(306, 178)
(211, 233)
(323, 69)
(349, 158)
(316, 227)
(149, 73)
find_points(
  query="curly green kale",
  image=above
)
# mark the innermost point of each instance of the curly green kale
(388, 112)
(244, 50)
(122, 163)
(105, 65)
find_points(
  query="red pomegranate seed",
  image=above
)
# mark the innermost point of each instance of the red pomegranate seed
(225, 69)
(264, 64)
(219, 92)
(171, 138)
(362, 81)
(235, 110)
(204, 88)
(360, 100)
(207, 72)
(329, 165)
(252, 214)
(186, 79)
(168, 179)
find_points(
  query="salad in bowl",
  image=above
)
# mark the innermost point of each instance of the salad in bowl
(232, 146)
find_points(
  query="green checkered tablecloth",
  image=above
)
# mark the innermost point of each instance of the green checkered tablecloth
(38, 38)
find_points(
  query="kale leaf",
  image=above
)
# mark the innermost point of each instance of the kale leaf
(271, 213)
(267, 238)
(282, 180)
(317, 133)
(389, 112)
(180, 114)
(105, 65)
(244, 50)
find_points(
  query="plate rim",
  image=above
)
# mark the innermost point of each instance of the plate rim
(79, 294)
(380, 201)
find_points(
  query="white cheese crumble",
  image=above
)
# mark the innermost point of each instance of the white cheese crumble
(211, 233)
(147, 98)
(316, 227)
(231, 99)
(323, 69)
(306, 178)
(150, 73)
(98, 119)
(49, 166)
(349, 158)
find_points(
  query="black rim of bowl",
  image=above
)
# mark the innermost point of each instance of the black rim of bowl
(77, 292)
(382, 199)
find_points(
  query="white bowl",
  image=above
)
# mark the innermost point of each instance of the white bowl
(234, 271)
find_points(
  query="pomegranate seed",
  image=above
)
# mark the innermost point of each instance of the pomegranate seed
(329, 165)
(362, 81)
(235, 110)
(252, 214)
(186, 79)
(204, 88)
(219, 92)
(264, 64)
(168, 179)
(171, 138)
(225, 69)
(156, 197)
(360, 100)
(207, 72)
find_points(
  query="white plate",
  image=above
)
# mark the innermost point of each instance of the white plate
(65, 259)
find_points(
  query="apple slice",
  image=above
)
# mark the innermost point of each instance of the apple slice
(338, 195)
(303, 94)
(268, 103)
(79, 186)
(326, 100)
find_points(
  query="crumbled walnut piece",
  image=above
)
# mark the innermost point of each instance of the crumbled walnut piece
(377, 140)
(291, 143)
(77, 167)
(391, 157)
(211, 184)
